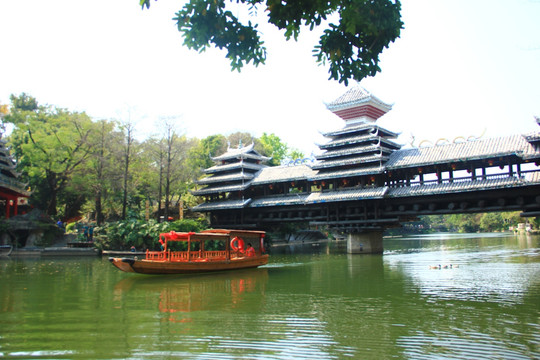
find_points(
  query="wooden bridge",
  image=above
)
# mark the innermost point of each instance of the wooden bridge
(363, 182)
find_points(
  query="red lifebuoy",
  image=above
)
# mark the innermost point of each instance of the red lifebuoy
(239, 246)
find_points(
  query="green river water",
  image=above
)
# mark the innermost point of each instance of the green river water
(309, 302)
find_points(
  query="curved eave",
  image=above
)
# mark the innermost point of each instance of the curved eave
(221, 205)
(238, 157)
(234, 166)
(342, 142)
(14, 186)
(353, 151)
(220, 189)
(360, 128)
(241, 153)
(348, 195)
(357, 96)
(358, 160)
(225, 178)
(347, 173)
(284, 200)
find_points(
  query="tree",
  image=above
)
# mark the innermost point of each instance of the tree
(172, 154)
(50, 145)
(154, 149)
(4, 110)
(273, 146)
(200, 155)
(351, 46)
(103, 170)
(491, 222)
(295, 154)
(129, 128)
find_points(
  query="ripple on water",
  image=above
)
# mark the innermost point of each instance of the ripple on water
(461, 345)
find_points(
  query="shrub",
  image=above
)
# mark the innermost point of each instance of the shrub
(142, 234)
(70, 228)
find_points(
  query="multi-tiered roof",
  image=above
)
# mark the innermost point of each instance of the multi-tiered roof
(361, 147)
(359, 162)
(232, 174)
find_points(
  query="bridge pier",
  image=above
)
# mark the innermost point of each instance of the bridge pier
(365, 243)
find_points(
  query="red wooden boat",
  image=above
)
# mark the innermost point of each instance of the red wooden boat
(186, 253)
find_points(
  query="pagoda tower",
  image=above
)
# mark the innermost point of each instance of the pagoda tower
(361, 147)
(230, 176)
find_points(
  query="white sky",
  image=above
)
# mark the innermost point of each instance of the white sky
(460, 68)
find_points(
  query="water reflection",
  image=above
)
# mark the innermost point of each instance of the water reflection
(180, 296)
(492, 296)
(311, 302)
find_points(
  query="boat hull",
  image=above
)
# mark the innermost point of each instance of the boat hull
(186, 267)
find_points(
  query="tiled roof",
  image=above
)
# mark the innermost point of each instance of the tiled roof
(367, 193)
(362, 127)
(283, 173)
(465, 151)
(217, 205)
(238, 165)
(349, 140)
(344, 173)
(356, 160)
(226, 178)
(350, 150)
(445, 188)
(318, 197)
(289, 199)
(356, 96)
(241, 153)
(14, 185)
(220, 189)
(347, 194)
(358, 139)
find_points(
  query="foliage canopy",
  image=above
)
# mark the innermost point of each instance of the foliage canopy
(351, 45)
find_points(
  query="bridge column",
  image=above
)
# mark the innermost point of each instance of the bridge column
(365, 243)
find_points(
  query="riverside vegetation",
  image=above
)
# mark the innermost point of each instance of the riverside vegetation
(80, 169)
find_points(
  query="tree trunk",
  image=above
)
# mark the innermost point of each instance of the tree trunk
(99, 209)
(160, 192)
(100, 165)
(126, 169)
(53, 192)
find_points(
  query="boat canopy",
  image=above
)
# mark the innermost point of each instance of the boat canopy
(213, 234)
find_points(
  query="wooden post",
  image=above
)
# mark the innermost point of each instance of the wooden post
(8, 207)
